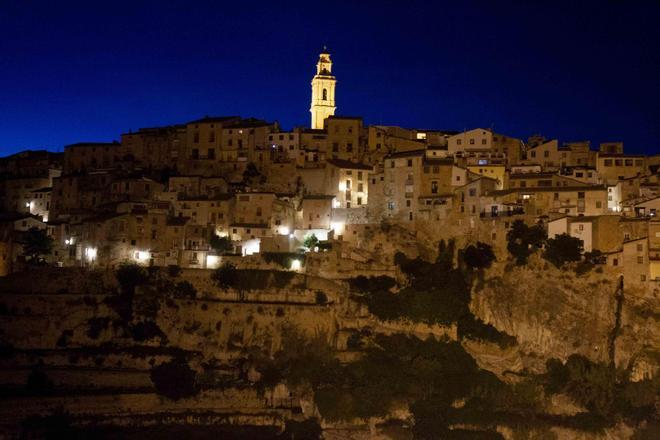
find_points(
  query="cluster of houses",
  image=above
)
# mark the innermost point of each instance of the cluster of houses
(159, 195)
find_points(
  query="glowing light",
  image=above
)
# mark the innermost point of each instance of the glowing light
(291, 235)
(338, 227)
(284, 230)
(336, 203)
(69, 241)
(342, 186)
(90, 253)
(28, 204)
(212, 261)
(296, 265)
(142, 255)
(251, 246)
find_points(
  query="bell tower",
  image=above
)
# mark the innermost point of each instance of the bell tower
(323, 91)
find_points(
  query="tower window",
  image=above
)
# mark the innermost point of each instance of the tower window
(325, 94)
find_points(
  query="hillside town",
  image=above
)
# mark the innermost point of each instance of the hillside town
(194, 193)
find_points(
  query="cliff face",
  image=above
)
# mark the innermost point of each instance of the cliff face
(556, 313)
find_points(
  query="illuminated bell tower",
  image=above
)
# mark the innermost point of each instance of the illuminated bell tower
(323, 91)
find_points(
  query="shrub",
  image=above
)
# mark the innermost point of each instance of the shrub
(225, 276)
(175, 379)
(38, 382)
(146, 330)
(523, 240)
(321, 298)
(96, 325)
(310, 241)
(129, 276)
(472, 327)
(283, 259)
(563, 249)
(480, 256)
(173, 270)
(221, 245)
(184, 289)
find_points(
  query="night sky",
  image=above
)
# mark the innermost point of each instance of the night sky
(88, 71)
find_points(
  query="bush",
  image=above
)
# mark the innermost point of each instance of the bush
(129, 276)
(96, 325)
(311, 241)
(283, 259)
(225, 276)
(321, 298)
(185, 290)
(38, 382)
(221, 245)
(523, 240)
(146, 330)
(173, 270)
(175, 379)
(563, 249)
(480, 256)
(472, 327)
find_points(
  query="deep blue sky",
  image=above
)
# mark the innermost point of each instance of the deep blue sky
(88, 71)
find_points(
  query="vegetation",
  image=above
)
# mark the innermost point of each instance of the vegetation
(227, 276)
(283, 259)
(129, 276)
(36, 245)
(523, 240)
(221, 245)
(185, 290)
(175, 379)
(605, 392)
(310, 241)
(436, 293)
(563, 249)
(479, 256)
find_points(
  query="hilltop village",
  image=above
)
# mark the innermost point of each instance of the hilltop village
(227, 277)
(160, 195)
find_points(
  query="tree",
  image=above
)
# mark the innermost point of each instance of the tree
(174, 380)
(480, 256)
(225, 276)
(523, 240)
(311, 241)
(562, 249)
(251, 172)
(222, 245)
(36, 244)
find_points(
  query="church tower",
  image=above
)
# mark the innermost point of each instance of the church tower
(323, 91)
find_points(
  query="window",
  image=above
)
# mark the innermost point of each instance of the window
(608, 162)
(640, 260)
(335, 147)
(390, 205)
(410, 162)
(615, 262)
(642, 278)
(408, 202)
(359, 201)
(546, 153)
(360, 187)
(580, 227)
(471, 141)
(483, 142)
(427, 170)
(599, 205)
(473, 192)
(325, 94)
(581, 195)
(640, 247)
(211, 153)
(410, 216)
(359, 175)
(434, 187)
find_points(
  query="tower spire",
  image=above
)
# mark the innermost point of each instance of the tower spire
(323, 91)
